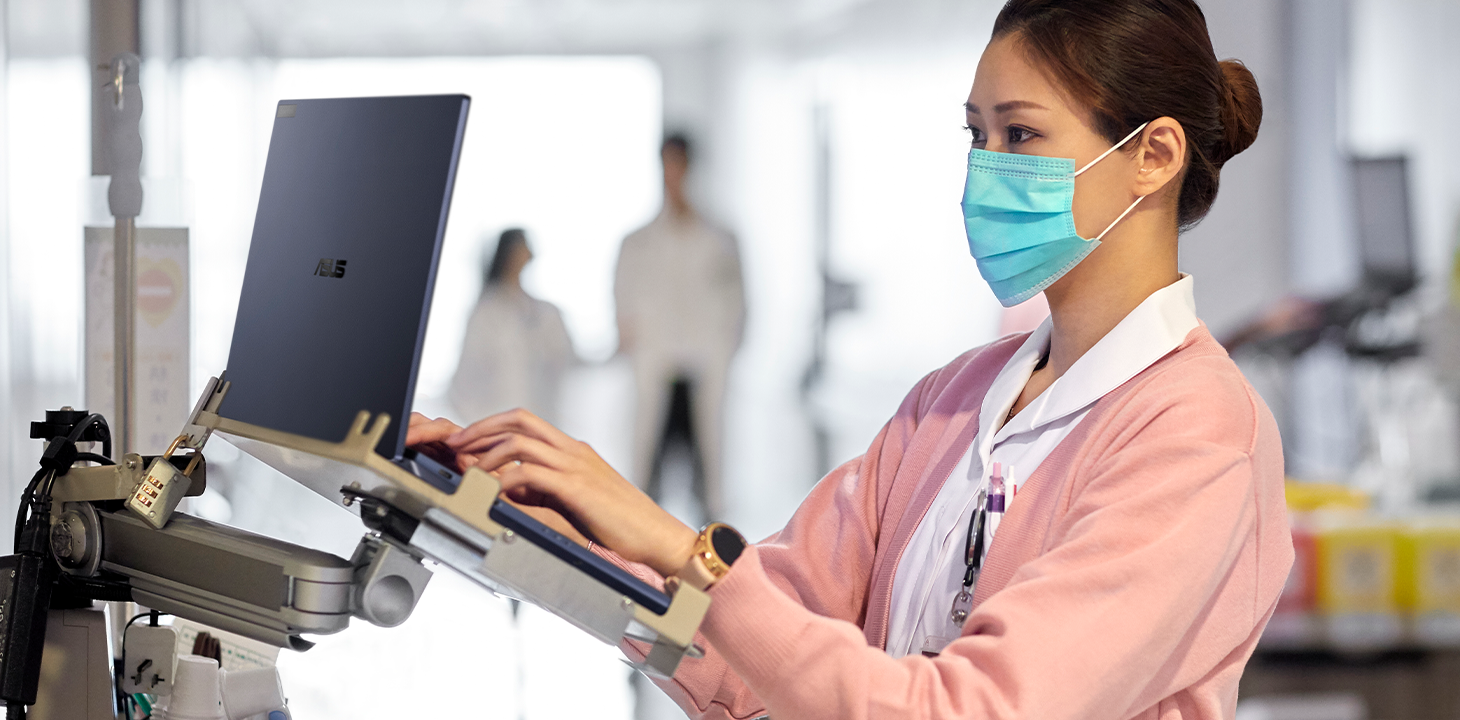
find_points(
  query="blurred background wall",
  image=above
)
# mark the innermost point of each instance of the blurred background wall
(831, 146)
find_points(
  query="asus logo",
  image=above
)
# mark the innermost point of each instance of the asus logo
(330, 268)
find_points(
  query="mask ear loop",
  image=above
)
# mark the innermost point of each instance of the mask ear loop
(1103, 155)
(1111, 226)
(1112, 149)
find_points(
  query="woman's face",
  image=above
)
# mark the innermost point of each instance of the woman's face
(520, 257)
(1015, 107)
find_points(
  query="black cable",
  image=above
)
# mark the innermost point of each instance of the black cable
(106, 442)
(31, 542)
(135, 618)
(93, 419)
(155, 614)
(23, 512)
(93, 457)
(35, 480)
(28, 499)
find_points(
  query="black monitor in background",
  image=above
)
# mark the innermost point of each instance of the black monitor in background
(1383, 226)
(342, 264)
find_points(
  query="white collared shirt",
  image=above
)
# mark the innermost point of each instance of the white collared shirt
(930, 572)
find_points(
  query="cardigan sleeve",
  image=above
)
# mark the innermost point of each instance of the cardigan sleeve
(820, 563)
(1143, 588)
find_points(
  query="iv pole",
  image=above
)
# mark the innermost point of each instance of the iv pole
(124, 197)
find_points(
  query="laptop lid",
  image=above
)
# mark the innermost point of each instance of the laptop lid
(342, 264)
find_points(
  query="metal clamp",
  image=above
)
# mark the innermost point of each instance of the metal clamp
(388, 582)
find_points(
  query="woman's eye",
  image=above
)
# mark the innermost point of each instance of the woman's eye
(974, 133)
(1018, 135)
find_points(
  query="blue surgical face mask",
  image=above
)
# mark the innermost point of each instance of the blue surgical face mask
(1018, 213)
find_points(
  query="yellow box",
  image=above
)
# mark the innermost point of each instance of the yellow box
(1357, 564)
(1428, 570)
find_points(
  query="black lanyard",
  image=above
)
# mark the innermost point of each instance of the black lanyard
(972, 559)
(973, 544)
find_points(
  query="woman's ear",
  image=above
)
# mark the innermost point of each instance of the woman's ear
(1162, 156)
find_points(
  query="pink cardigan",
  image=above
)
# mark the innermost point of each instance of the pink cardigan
(1131, 579)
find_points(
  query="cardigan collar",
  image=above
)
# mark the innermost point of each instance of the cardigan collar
(947, 429)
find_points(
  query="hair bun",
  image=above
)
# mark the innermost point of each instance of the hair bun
(1241, 108)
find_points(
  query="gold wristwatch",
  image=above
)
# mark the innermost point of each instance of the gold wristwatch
(715, 550)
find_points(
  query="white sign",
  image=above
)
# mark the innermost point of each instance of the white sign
(162, 343)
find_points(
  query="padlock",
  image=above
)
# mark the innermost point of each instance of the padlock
(162, 487)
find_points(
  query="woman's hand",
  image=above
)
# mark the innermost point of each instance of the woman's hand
(428, 437)
(539, 465)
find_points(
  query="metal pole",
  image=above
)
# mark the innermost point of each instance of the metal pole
(124, 274)
(124, 195)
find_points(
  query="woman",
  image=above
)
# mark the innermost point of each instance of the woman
(1145, 541)
(516, 348)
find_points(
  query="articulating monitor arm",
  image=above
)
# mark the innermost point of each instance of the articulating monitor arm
(110, 532)
(82, 538)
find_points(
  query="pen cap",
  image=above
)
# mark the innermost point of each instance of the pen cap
(995, 501)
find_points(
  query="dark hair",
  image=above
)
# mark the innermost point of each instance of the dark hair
(1132, 61)
(678, 141)
(510, 240)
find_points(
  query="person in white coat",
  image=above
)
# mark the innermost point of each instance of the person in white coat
(516, 349)
(681, 312)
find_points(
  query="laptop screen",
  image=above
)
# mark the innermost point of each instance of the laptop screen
(337, 289)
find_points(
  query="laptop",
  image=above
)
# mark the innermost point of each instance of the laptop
(338, 285)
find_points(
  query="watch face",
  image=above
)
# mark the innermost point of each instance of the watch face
(728, 544)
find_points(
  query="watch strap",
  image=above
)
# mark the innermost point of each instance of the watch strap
(708, 564)
(695, 574)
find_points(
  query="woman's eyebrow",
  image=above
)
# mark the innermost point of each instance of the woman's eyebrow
(1006, 106)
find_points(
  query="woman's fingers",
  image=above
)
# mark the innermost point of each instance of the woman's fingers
(529, 484)
(428, 437)
(539, 465)
(539, 487)
(483, 443)
(425, 431)
(513, 421)
(418, 420)
(523, 449)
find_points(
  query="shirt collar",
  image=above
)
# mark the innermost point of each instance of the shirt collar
(1008, 384)
(1148, 333)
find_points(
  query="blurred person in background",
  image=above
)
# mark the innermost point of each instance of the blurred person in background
(516, 348)
(1084, 522)
(681, 315)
